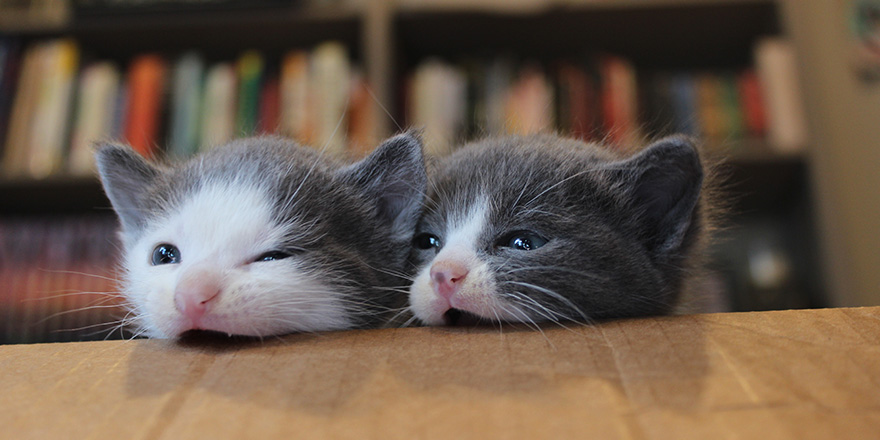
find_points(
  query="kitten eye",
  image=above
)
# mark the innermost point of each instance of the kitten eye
(427, 241)
(272, 256)
(165, 254)
(523, 240)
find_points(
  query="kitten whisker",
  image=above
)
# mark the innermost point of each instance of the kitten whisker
(557, 269)
(552, 294)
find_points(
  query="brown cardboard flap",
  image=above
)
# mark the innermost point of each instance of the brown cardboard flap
(791, 374)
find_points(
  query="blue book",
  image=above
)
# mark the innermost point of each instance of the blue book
(684, 104)
(186, 99)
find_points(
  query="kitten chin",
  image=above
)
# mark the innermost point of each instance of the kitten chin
(545, 228)
(263, 237)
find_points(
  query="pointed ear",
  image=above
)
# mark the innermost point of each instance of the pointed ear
(663, 185)
(394, 177)
(126, 177)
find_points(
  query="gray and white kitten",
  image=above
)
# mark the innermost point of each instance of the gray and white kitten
(263, 237)
(545, 228)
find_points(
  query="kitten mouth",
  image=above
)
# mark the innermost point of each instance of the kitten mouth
(461, 317)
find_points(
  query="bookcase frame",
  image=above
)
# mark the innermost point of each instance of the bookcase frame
(387, 38)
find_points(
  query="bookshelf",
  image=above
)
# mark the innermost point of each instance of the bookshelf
(389, 39)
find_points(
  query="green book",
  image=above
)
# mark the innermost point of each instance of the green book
(250, 73)
(186, 98)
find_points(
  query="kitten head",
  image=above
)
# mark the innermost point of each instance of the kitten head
(542, 228)
(263, 237)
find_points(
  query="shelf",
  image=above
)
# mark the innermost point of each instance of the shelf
(533, 6)
(760, 180)
(217, 33)
(54, 195)
(661, 34)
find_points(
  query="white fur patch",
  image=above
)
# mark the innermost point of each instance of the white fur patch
(224, 227)
(477, 293)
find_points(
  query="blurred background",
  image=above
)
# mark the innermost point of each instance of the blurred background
(786, 92)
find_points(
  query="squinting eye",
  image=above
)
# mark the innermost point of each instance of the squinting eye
(427, 241)
(165, 254)
(272, 256)
(523, 240)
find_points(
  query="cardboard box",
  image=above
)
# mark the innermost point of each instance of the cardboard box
(791, 374)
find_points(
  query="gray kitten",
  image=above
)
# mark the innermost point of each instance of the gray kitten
(263, 237)
(544, 228)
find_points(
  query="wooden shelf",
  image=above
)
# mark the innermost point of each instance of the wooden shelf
(659, 34)
(216, 33)
(50, 196)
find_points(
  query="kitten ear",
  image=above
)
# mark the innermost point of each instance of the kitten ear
(664, 183)
(394, 176)
(126, 176)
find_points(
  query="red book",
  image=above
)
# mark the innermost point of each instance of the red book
(580, 111)
(619, 100)
(360, 118)
(146, 84)
(752, 103)
(270, 107)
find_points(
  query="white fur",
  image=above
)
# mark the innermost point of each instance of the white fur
(477, 292)
(225, 226)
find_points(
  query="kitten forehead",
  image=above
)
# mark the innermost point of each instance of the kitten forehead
(221, 218)
(465, 227)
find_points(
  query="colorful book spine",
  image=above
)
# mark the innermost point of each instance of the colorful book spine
(58, 279)
(361, 117)
(23, 111)
(250, 72)
(95, 109)
(577, 102)
(776, 67)
(329, 76)
(270, 106)
(186, 101)
(146, 89)
(752, 103)
(530, 103)
(218, 106)
(10, 60)
(296, 120)
(619, 100)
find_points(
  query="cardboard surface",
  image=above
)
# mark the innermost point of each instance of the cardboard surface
(792, 374)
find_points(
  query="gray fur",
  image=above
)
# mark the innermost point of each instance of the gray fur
(359, 217)
(622, 230)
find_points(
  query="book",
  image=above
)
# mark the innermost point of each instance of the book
(577, 104)
(186, 101)
(218, 106)
(530, 103)
(776, 67)
(731, 106)
(499, 76)
(146, 89)
(23, 108)
(752, 103)
(270, 106)
(120, 113)
(361, 117)
(684, 103)
(250, 72)
(10, 57)
(95, 109)
(58, 275)
(619, 100)
(438, 102)
(296, 118)
(329, 79)
(709, 111)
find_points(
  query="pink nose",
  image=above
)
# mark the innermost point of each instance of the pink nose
(192, 297)
(448, 277)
